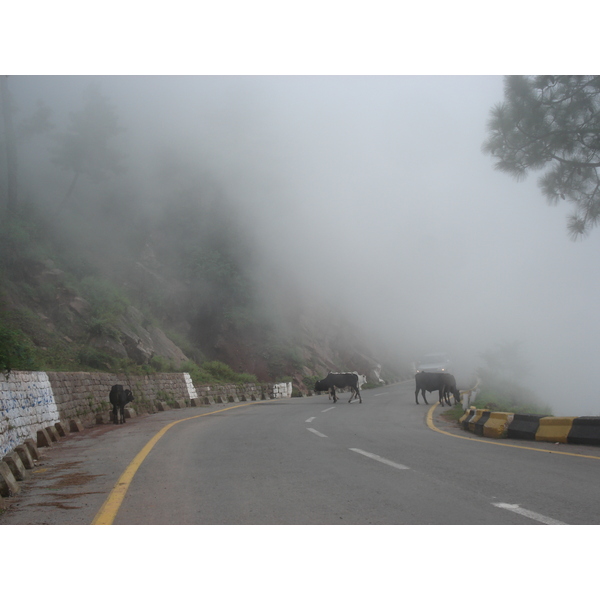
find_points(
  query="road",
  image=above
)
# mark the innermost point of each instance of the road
(308, 461)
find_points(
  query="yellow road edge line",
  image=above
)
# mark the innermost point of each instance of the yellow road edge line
(108, 511)
(473, 439)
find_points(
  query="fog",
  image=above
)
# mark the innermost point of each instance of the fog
(373, 193)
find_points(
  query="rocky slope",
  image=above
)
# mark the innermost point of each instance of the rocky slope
(139, 312)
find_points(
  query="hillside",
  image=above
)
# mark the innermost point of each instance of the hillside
(115, 255)
(66, 305)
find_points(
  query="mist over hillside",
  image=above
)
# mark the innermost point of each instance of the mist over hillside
(252, 216)
(141, 256)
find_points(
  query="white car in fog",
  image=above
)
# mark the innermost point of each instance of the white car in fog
(433, 363)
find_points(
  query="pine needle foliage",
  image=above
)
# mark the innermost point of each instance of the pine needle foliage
(552, 123)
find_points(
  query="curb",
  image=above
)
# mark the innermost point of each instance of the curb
(563, 430)
(497, 424)
(585, 430)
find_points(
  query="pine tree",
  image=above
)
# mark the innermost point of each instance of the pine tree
(552, 123)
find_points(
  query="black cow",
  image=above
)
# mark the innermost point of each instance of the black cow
(445, 383)
(119, 397)
(339, 380)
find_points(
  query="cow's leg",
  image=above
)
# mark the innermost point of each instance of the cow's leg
(115, 414)
(422, 390)
(122, 414)
(357, 393)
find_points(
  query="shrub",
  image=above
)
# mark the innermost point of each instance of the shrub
(105, 299)
(197, 374)
(220, 372)
(15, 351)
(96, 359)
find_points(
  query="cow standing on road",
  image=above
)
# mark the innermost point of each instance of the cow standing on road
(340, 381)
(119, 397)
(444, 383)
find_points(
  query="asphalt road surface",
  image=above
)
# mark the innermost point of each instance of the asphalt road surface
(307, 461)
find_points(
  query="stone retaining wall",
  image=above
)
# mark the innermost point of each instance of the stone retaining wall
(32, 401)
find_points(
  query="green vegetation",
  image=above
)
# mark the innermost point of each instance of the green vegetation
(84, 251)
(217, 372)
(454, 413)
(512, 399)
(550, 123)
(16, 351)
(107, 302)
(489, 401)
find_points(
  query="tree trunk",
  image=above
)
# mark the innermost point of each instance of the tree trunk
(11, 147)
(69, 192)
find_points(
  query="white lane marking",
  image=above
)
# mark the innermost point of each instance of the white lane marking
(331, 408)
(385, 461)
(528, 513)
(310, 420)
(316, 432)
(382, 394)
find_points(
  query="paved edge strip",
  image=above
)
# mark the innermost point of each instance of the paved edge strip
(108, 511)
(431, 426)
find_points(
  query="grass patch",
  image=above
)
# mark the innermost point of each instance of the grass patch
(454, 413)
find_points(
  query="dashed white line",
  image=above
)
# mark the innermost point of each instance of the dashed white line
(385, 461)
(528, 513)
(330, 408)
(310, 420)
(316, 432)
(382, 394)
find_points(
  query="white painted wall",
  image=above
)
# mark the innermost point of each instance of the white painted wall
(26, 405)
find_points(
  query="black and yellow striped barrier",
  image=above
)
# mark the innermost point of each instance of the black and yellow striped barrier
(564, 430)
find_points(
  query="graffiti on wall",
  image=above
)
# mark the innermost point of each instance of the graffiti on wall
(26, 405)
